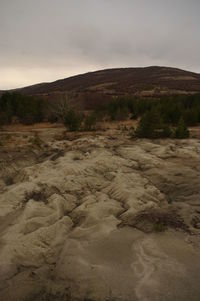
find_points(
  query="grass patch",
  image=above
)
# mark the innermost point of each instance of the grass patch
(157, 220)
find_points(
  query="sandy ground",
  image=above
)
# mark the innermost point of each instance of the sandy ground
(98, 216)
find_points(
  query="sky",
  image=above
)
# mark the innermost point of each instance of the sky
(46, 40)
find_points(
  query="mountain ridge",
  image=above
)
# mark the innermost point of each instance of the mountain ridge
(125, 80)
(96, 87)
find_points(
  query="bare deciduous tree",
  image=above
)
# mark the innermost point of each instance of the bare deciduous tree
(60, 108)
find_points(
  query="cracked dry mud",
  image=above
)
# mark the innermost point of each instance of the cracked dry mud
(83, 221)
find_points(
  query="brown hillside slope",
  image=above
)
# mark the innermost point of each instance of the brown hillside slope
(94, 88)
(124, 81)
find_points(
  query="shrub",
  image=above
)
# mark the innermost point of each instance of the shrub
(5, 118)
(191, 117)
(157, 220)
(159, 227)
(119, 108)
(73, 120)
(132, 131)
(149, 125)
(90, 122)
(36, 140)
(9, 180)
(181, 131)
(152, 126)
(166, 131)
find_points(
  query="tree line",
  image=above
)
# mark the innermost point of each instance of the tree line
(168, 116)
(15, 107)
(164, 117)
(170, 108)
(18, 108)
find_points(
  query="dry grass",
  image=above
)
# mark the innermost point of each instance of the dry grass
(157, 220)
(20, 136)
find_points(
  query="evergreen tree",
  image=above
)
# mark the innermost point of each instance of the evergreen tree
(181, 131)
(26, 108)
(152, 126)
(191, 117)
(149, 125)
(73, 120)
(166, 131)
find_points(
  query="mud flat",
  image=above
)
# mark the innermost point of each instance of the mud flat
(100, 217)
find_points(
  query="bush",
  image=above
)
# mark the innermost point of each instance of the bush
(9, 180)
(90, 122)
(149, 125)
(119, 108)
(191, 117)
(132, 132)
(152, 126)
(166, 131)
(181, 131)
(73, 120)
(5, 118)
(36, 141)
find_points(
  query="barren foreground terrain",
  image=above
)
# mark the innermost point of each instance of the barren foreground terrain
(98, 217)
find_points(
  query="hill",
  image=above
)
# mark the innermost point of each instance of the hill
(90, 87)
(149, 80)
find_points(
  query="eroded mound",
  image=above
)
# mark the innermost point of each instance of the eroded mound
(74, 222)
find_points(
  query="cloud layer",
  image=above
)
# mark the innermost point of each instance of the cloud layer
(46, 40)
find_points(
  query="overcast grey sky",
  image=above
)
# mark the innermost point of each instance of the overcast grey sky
(45, 40)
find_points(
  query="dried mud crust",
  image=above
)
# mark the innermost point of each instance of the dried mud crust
(85, 219)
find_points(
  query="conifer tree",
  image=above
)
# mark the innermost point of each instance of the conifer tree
(181, 131)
